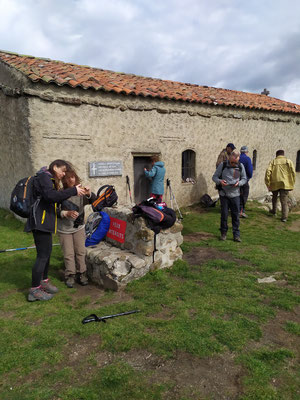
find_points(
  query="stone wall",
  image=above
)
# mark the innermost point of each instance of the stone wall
(14, 144)
(117, 127)
(85, 125)
(113, 265)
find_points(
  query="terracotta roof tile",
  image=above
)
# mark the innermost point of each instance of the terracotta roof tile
(60, 73)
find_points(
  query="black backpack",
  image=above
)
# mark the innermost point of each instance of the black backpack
(156, 219)
(21, 200)
(106, 197)
(207, 201)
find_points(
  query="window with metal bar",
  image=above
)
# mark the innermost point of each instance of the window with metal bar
(188, 166)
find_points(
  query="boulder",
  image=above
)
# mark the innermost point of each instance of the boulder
(112, 264)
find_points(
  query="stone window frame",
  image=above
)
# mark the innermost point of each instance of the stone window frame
(254, 159)
(188, 166)
(298, 161)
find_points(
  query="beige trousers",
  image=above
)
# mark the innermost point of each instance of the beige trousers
(73, 246)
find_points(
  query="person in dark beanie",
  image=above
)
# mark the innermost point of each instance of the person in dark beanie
(244, 190)
(225, 153)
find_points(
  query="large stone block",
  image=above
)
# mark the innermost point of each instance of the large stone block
(113, 265)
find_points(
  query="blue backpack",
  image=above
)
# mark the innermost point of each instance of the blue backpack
(96, 228)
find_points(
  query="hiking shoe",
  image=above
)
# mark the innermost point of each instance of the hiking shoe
(283, 220)
(272, 212)
(70, 281)
(38, 294)
(237, 239)
(48, 287)
(223, 236)
(83, 280)
(243, 215)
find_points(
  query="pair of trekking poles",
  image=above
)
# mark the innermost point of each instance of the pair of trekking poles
(172, 195)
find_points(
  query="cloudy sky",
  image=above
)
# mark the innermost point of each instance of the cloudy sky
(233, 44)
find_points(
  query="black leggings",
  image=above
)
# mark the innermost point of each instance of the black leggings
(43, 243)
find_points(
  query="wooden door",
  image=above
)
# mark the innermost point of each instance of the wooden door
(141, 183)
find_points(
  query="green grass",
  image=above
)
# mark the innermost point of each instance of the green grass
(201, 311)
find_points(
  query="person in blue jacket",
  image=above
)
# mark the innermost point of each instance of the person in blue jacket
(246, 161)
(157, 175)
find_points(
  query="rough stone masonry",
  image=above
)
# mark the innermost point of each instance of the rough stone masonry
(113, 264)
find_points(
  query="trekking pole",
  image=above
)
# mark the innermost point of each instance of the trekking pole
(94, 318)
(178, 209)
(169, 187)
(128, 183)
(172, 197)
(25, 248)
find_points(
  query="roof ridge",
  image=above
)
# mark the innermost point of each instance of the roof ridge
(48, 71)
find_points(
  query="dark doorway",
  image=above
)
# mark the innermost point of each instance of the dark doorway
(141, 183)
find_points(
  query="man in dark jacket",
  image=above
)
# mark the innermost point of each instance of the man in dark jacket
(246, 161)
(231, 176)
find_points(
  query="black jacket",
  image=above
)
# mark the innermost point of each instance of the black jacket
(43, 216)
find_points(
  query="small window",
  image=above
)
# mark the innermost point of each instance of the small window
(188, 166)
(254, 159)
(298, 161)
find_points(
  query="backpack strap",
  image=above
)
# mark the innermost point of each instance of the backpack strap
(108, 191)
(102, 187)
(223, 167)
(155, 249)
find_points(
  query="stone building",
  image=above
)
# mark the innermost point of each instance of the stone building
(109, 124)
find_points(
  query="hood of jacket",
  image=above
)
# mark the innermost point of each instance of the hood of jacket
(44, 170)
(160, 164)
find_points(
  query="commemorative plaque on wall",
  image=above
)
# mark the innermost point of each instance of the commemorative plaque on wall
(105, 168)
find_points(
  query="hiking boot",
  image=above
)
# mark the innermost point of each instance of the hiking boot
(223, 236)
(83, 280)
(38, 293)
(48, 287)
(283, 219)
(237, 239)
(70, 281)
(272, 212)
(243, 215)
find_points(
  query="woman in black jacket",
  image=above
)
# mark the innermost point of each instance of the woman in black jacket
(43, 222)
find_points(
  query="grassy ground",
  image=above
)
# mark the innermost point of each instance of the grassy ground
(207, 329)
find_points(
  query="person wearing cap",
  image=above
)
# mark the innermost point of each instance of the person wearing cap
(280, 178)
(244, 190)
(225, 153)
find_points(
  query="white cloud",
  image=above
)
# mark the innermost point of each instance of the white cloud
(233, 44)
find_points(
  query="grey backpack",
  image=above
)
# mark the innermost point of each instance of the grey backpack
(92, 223)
